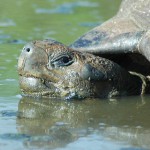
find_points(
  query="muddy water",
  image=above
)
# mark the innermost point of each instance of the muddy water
(27, 123)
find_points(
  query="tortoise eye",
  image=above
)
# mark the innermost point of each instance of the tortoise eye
(62, 61)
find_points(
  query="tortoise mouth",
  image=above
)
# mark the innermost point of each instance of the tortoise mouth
(36, 87)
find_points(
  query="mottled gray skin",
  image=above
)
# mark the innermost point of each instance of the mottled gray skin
(50, 69)
(125, 38)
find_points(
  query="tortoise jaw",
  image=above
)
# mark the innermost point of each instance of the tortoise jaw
(36, 87)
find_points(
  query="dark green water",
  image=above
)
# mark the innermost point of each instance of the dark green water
(118, 124)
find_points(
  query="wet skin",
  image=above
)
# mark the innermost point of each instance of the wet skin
(50, 69)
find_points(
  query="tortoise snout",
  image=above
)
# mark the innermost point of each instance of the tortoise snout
(25, 55)
(32, 58)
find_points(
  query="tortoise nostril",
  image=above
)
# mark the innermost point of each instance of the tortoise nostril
(28, 49)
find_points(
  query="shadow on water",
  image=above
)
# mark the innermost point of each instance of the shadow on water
(54, 123)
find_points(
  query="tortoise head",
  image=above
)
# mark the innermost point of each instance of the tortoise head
(46, 68)
(50, 69)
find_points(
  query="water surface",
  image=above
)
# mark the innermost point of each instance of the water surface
(25, 123)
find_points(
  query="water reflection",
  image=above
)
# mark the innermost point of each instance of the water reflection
(55, 123)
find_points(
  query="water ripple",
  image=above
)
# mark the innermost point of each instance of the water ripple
(66, 8)
(7, 22)
(8, 113)
(13, 136)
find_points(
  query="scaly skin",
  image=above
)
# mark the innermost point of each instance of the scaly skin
(50, 69)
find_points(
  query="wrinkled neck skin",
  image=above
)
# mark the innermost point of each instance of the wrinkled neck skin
(114, 81)
(123, 83)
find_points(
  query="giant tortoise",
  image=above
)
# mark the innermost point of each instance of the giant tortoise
(118, 64)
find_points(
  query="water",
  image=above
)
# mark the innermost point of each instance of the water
(117, 124)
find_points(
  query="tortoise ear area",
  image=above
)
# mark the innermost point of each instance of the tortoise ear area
(90, 73)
